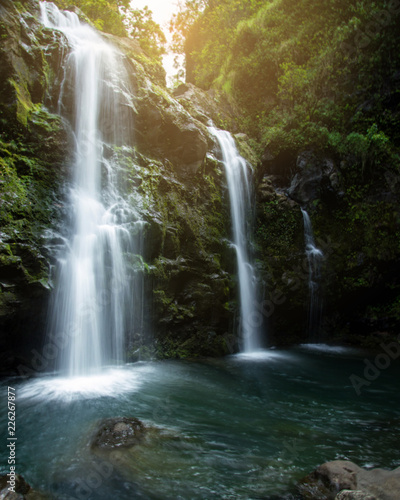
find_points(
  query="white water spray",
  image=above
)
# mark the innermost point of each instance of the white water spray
(94, 306)
(314, 257)
(240, 196)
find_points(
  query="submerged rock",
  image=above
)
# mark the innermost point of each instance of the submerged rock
(118, 432)
(344, 480)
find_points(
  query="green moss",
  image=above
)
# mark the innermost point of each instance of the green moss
(24, 103)
(150, 67)
(279, 228)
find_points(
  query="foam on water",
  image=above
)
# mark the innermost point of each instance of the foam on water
(329, 349)
(262, 355)
(112, 382)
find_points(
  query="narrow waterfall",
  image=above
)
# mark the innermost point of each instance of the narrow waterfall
(314, 257)
(240, 196)
(96, 294)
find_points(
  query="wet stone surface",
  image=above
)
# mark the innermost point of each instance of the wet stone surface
(118, 432)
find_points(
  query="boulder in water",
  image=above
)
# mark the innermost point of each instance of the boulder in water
(119, 432)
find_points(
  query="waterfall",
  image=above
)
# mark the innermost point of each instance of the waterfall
(94, 302)
(314, 258)
(240, 196)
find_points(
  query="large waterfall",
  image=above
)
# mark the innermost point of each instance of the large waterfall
(240, 196)
(314, 257)
(94, 301)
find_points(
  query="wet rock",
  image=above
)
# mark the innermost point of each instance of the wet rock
(342, 480)
(21, 486)
(34, 146)
(10, 495)
(205, 105)
(119, 432)
(22, 490)
(278, 168)
(329, 478)
(165, 129)
(314, 175)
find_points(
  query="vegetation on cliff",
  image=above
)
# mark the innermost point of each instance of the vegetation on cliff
(315, 85)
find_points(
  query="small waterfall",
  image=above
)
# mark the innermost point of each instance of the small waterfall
(314, 257)
(94, 305)
(240, 196)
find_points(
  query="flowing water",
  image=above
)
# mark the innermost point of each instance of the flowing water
(97, 296)
(240, 196)
(244, 427)
(315, 258)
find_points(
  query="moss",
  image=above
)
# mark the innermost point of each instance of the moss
(279, 228)
(245, 147)
(24, 104)
(149, 67)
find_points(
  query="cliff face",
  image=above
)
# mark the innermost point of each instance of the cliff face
(355, 222)
(172, 167)
(170, 163)
(34, 146)
(316, 87)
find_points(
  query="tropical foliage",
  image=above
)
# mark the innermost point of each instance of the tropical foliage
(302, 72)
(120, 18)
(141, 26)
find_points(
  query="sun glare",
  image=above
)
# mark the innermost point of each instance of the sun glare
(162, 9)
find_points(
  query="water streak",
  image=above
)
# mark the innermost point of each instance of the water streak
(240, 196)
(314, 257)
(94, 306)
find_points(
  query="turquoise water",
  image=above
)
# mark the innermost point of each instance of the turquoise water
(243, 427)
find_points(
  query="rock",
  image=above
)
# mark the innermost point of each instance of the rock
(34, 146)
(344, 480)
(313, 176)
(328, 479)
(133, 50)
(10, 495)
(279, 168)
(383, 484)
(21, 486)
(23, 490)
(205, 105)
(164, 129)
(119, 432)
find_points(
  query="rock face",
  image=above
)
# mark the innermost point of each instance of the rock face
(34, 146)
(359, 287)
(342, 480)
(313, 177)
(173, 176)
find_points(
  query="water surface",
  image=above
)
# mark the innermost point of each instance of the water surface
(247, 426)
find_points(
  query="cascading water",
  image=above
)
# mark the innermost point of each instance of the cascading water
(314, 257)
(240, 196)
(94, 306)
